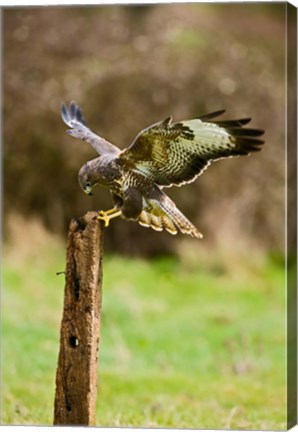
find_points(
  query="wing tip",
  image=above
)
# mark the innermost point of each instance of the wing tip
(72, 113)
(211, 115)
(64, 113)
(248, 144)
(234, 125)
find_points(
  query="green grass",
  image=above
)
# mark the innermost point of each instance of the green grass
(184, 343)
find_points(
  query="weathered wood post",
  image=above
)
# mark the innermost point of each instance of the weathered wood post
(76, 377)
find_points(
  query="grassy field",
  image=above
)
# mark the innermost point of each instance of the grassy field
(184, 342)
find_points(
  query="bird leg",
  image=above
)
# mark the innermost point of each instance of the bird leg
(108, 214)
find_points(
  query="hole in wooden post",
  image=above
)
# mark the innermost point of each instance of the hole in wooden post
(73, 341)
(81, 223)
(76, 287)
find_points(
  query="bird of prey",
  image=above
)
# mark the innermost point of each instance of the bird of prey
(162, 155)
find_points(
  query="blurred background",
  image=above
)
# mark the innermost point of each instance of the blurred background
(129, 67)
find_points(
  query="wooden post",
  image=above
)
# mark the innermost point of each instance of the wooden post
(76, 378)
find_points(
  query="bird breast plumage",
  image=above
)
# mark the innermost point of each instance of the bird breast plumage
(130, 179)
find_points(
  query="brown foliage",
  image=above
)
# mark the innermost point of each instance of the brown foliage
(128, 67)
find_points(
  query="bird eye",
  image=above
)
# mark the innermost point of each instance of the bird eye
(88, 184)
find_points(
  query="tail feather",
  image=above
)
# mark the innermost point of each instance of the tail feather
(163, 214)
(184, 225)
(169, 225)
(158, 223)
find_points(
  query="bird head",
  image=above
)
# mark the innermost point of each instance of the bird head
(86, 180)
(98, 171)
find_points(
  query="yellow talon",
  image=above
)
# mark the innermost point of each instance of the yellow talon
(102, 216)
(106, 216)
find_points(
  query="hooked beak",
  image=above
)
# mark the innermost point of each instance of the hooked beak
(88, 191)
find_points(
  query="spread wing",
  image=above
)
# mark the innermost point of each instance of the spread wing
(176, 153)
(72, 116)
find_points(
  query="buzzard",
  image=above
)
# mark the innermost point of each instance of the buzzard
(162, 155)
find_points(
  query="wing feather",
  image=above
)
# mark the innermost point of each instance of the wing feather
(73, 117)
(176, 153)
